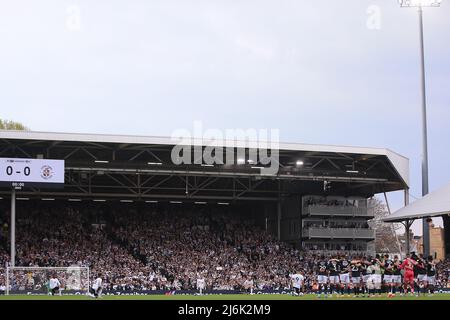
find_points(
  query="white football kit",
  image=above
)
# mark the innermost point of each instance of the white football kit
(201, 284)
(54, 286)
(97, 284)
(297, 281)
(97, 287)
(54, 283)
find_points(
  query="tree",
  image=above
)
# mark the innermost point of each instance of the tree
(386, 238)
(12, 125)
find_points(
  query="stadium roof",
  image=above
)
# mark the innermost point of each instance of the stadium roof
(115, 161)
(436, 203)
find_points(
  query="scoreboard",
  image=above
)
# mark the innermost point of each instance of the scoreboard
(21, 173)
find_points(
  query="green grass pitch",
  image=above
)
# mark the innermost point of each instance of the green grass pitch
(239, 297)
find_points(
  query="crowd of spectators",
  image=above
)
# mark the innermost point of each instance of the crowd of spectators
(225, 250)
(443, 274)
(161, 249)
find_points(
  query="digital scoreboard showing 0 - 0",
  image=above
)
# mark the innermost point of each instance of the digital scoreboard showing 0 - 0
(22, 173)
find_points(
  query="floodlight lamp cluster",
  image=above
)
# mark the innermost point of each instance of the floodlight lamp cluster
(420, 3)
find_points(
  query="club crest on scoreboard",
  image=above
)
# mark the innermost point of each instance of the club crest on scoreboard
(46, 172)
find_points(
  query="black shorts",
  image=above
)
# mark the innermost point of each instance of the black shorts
(93, 291)
(55, 290)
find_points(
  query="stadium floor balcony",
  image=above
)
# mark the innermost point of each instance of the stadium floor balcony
(339, 233)
(342, 211)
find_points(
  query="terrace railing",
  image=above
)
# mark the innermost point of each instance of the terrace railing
(321, 210)
(338, 233)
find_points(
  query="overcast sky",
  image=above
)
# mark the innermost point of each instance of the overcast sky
(327, 72)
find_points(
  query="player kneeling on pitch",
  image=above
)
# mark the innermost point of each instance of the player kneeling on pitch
(54, 285)
(297, 283)
(97, 288)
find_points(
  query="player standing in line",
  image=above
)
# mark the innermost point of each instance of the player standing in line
(297, 283)
(375, 276)
(421, 268)
(322, 278)
(397, 275)
(408, 277)
(365, 276)
(388, 277)
(97, 288)
(344, 276)
(334, 268)
(355, 269)
(416, 272)
(370, 283)
(54, 285)
(431, 275)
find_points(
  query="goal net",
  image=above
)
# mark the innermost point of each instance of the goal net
(35, 280)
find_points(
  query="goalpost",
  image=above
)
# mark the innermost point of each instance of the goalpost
(34, 280)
